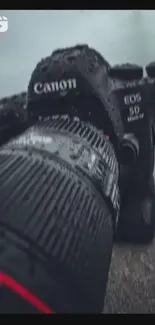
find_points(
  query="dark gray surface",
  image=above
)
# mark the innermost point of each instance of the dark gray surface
(131, 286)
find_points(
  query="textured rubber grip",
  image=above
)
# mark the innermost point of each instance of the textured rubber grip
(64, 221)
(83, 148)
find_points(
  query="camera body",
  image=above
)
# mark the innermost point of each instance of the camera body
(133, 93)
(89, 141)
(128, 92)
(64, 171)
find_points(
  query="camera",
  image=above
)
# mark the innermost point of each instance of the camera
(133, 93)
(73, 180)
(59, 183)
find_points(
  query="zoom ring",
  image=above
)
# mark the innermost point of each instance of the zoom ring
(96, 164)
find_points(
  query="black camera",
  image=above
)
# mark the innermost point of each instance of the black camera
(74, 179)
(134, 96)
(59, 182)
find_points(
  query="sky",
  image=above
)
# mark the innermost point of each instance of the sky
(121, 36)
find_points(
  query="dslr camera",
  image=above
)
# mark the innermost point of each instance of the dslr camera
(134, 100)
(64, 183)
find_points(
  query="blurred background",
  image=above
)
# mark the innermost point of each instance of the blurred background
(120, 35)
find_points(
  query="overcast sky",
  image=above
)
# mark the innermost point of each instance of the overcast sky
(119, 35)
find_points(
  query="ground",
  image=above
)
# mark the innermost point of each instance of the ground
(131, 285)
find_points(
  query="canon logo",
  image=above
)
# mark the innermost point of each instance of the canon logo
(54, 86)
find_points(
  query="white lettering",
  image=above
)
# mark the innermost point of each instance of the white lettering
(134, 110)
(63, 85)
(38, 88)
(135, 118)
(71, 83)
(47, 88)
(132, 99)
(33, 139)
(55, 86)
(135, 114)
